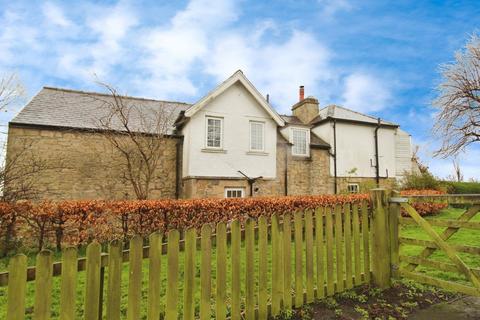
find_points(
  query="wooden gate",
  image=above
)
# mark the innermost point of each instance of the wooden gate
(406, 266)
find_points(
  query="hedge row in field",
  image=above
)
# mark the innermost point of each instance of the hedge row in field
(424, 208)
(77, 222)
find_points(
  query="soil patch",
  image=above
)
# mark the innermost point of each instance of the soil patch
(366, 302)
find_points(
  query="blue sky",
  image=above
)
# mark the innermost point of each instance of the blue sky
(377, 57)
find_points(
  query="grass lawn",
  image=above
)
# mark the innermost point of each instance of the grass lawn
(462, 237)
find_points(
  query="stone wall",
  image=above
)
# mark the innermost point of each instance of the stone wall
(305, 176)
(83, 165)
(365, 184)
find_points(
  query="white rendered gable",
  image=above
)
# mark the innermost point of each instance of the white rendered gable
(237, 108)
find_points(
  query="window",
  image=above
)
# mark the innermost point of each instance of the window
(214, 132)
(256, 135)
(353, 188)
(300, 142)
(234, 193)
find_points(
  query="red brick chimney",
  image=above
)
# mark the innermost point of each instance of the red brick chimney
(301, 93)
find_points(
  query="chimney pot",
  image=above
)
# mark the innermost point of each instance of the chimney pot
(301, 93)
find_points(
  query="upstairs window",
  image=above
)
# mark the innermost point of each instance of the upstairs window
(234, 193)
(300, 142)
(214, 132)
(256, 136)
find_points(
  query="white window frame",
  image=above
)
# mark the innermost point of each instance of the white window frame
(353, 188)
(206, 133)
(231, 189)
(251, 122)
(307, 142)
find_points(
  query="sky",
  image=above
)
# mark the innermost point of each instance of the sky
(377, 57)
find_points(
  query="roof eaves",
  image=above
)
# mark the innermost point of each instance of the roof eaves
(359, 122)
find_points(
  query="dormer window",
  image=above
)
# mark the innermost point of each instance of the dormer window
(214, 132)
(300, 140)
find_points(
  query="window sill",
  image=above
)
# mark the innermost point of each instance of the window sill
(257, 153)
(300, 155)
(301, 158)
(214, 150)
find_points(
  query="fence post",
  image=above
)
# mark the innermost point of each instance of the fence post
(394, 214)
(381, 238)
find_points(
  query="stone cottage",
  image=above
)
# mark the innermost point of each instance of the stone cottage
(230, 143)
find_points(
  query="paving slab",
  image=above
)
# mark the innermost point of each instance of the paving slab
(465, 308)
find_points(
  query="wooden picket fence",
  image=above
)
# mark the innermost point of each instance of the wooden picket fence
(261, 268)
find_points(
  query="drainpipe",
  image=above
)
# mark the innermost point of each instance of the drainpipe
(178, 174)
(286, 168)
(377, 165)
(335, 156)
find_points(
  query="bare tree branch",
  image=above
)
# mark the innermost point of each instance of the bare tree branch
(138, 134)
(19, 173)
(10, 90)
(458, 122)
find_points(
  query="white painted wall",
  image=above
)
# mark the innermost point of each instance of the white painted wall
(403, 153)
(356, 149)
(238, 108)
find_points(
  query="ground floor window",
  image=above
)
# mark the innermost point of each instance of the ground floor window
(234, 193)
(353, 188)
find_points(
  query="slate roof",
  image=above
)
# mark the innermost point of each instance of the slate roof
(317, 142)
(292, 120)
(65, 108)
(338, 112)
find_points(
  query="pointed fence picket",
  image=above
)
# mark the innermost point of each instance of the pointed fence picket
(244, 269)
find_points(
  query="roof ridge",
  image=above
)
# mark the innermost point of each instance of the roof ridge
(356, 112)
(109, 95)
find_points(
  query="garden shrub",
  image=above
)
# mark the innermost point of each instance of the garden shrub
(48, 223)
(423, 206)
(420, 181)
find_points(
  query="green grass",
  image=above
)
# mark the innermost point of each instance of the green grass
(462, 237)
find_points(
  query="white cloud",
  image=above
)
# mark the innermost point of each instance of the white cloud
(277, 68)
(365, 93)
(103, 46)
(172, 51)
(330, 7)
(55, 15)
(15, 35)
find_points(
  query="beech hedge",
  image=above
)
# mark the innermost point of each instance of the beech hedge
(55, 224)
(424, 208)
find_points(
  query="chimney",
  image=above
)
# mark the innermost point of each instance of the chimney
(307, 108)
